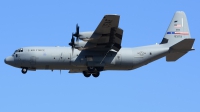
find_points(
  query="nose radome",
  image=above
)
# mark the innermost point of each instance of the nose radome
(9, 60)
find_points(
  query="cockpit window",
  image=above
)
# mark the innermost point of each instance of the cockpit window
(21, 50)
(18, 50)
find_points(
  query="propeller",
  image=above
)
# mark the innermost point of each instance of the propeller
(77, 33)
(72, 43)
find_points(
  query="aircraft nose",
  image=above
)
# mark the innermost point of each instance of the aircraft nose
(9, 60)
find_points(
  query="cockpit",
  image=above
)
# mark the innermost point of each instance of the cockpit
(18, 50)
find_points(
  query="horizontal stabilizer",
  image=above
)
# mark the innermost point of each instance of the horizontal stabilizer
(174, 56)
(185, 44)
(180, 49)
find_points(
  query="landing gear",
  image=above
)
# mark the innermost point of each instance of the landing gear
(86, 74)
(91, 69)
(96, 74)
(95, 71)
(24, 70)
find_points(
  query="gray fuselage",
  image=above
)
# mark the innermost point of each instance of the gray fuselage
(62, 58)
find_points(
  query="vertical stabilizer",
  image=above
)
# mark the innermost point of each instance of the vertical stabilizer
(178, 29)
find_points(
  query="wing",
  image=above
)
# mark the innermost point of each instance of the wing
(108, 22)
(107, 35)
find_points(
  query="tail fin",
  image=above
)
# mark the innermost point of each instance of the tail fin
(177, 37)
(178, 29)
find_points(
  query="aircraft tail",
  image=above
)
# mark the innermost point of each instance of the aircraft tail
(177, 37)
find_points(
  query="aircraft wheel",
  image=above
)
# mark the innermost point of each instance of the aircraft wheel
(86, 74)
(91, 68)
(96, 74)
(24, 70)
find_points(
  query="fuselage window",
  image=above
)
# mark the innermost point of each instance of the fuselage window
(16, 55)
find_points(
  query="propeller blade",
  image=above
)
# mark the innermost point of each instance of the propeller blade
(72, 41)
(77, 33)
(72, 51)
(77, 30)
(77, 39)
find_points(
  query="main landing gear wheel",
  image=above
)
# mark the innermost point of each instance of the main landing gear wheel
(24, 70)
(96, 74)
(86, 74)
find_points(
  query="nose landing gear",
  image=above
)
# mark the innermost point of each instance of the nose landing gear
(24, 70)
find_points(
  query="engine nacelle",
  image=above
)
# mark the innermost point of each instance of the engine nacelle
(85, 36)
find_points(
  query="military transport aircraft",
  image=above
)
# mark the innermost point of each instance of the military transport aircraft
(100, 50)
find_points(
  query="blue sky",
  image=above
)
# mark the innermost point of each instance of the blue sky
(159, 86)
